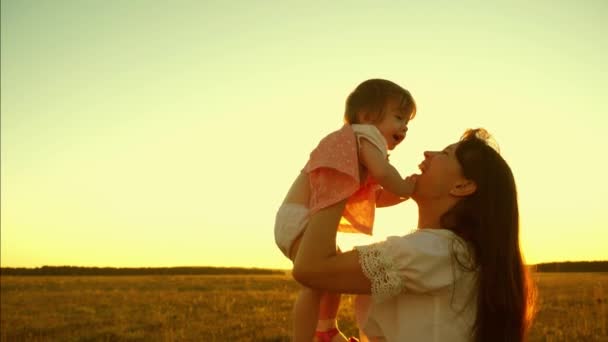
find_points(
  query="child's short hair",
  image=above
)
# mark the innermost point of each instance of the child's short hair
(371, 97)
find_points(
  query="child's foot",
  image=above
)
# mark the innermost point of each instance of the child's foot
(332, 335)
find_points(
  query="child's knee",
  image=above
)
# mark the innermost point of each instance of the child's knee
(311, 293)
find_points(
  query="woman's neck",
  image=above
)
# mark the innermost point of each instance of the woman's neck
(429, 213)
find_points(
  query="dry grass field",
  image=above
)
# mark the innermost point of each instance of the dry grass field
(572, 307)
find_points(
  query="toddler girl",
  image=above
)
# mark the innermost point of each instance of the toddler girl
(352, 163)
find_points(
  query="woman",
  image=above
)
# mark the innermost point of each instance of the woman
(459, 277)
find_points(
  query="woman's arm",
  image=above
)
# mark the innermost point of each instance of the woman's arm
(317, 265)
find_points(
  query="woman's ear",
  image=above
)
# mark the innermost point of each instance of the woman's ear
(464, 188)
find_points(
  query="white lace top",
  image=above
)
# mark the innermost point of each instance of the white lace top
(419, 290)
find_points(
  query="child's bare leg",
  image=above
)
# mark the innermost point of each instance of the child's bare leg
(305, 309)
(361, 306)
(326, 305)
(328, 311)
(305, 315)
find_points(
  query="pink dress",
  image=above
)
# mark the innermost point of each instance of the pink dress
(333, 171)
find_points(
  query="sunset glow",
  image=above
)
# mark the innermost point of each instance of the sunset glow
(167, 133)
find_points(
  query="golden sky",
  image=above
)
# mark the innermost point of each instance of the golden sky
(155, 133)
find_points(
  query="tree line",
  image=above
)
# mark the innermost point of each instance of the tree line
(568, 266)
(133, 271)
(573, 266)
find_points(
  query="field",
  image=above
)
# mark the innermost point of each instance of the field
(572, 307)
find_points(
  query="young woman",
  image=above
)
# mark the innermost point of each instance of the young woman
(459, 277)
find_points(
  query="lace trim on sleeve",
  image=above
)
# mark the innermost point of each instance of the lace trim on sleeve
(381, 272)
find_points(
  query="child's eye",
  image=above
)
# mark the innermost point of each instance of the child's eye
(399, 117)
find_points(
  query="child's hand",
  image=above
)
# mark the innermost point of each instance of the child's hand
(410, 183)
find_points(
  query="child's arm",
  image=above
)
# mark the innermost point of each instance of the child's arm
(382, 171)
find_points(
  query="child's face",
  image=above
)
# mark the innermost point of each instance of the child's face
(394, 124)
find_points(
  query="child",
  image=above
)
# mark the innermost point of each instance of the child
(349, 163)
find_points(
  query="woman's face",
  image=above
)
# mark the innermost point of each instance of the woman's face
(440, 174)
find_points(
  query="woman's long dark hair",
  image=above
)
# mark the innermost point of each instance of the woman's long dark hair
(488, 220)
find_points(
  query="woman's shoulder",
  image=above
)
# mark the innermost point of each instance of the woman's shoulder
(423, 244)
(425, 236)
(419, 262)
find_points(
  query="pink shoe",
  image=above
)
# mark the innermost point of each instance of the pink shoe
(352, 339)
(326, 336)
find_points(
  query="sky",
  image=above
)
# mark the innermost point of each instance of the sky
(157, 134)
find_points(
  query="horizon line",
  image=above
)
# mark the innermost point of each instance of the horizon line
(249, 267)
